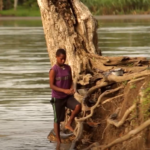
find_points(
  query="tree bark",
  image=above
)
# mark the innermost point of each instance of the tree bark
(69, 24)
(15, 4)
(1, 4)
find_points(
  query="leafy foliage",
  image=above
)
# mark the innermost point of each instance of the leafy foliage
(116, 6)
(97, 7)
(8, 4)
(30, 4)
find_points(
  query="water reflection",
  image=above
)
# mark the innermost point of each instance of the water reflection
(26, 115)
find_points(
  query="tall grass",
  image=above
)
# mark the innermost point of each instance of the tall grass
(97, 7)
(117, 6)
(20, 12)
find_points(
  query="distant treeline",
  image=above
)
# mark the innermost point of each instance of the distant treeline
(117, 6)
(9, 4)
(95, 6)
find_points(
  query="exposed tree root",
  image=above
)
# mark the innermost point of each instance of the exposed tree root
(94, 88)
(98, 101)
(121, 60)
(113, 78)
(79, 127)
(77, 132)
(128, 111)
(96, 144)
(136, 62)
(131, 134)
(132, 81)
(105, 130)
(102, 58)
(85, 79)
(110, 99)
(121, 122)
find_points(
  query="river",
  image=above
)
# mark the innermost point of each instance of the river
(26, 115)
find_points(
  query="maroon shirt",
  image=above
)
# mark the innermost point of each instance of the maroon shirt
(62, 80)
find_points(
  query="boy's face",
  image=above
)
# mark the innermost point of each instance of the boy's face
(61, 59)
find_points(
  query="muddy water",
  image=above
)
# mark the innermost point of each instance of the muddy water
(128, 38)
(26, 116)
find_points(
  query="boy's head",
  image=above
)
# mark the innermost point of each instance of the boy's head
(61, 56)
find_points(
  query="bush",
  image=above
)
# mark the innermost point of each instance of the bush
(116, 6)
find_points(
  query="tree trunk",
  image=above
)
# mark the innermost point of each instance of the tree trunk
(15, 4)
(1, 4)
(69, 24)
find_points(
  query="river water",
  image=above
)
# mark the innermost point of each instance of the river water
(26, 117)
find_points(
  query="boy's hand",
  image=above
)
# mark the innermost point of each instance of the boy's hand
(69, 91)
(73, 90)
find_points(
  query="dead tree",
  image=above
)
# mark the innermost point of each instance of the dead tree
(69, 24)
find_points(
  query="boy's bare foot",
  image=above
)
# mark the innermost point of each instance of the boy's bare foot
(67, 126)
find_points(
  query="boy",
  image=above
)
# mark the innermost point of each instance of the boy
(61, 84)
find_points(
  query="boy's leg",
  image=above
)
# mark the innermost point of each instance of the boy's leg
(57, 132)
(73, 104)
(73, 114)
(59, 114)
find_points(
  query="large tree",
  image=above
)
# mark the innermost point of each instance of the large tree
(69, 24)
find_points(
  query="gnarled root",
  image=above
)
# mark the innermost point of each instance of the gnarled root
(96, 144)
(110, 99)
(128, 111)
(79, 127)
(77, 132)
(113, 78)
(98, 101)
(121, 122)
(94, 88)
(131, 134)
(139, 79)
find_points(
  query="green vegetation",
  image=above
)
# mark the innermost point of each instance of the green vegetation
(24, 8)
(20, 12)
(97, 7)
(9, 4)
(125, 83)
(146, 103)
(118, 6)
(133, 86)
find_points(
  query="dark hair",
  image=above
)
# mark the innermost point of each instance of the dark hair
(60, 51)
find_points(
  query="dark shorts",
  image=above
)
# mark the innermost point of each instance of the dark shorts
(59, 107)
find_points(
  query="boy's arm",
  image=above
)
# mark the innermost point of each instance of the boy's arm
(52, 86)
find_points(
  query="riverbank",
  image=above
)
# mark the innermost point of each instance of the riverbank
(102, 17)
(97, 7)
